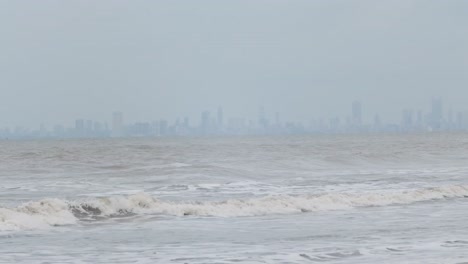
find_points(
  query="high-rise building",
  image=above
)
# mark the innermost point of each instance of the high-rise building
(79, 128)
(163, 127)
(356, 114)
(407, 120)
(437, 115)
(79, 125)
(117, 124)
(205, 122)
(377, 123)
(450, 122)
(58, 130)
(459, 122)
(89, 126)
(98, 129)
(220, 118)
(262, 120)
(419, 118)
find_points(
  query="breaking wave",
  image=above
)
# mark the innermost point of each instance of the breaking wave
(55, 212)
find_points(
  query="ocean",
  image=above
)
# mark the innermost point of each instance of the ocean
(278, 199)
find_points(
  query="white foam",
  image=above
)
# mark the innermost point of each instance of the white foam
(51, 212)
(36, 215)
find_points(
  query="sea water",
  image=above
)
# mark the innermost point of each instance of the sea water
(278, 199)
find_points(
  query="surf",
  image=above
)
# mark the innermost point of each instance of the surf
(52, 212)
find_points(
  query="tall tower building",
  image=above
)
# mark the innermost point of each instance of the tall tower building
(79, 125)
(163, 127)
(277, 119)
(377, 123)
(437, 115)
(89, 126)
(220, 117)
(262, 120)
(419, 118)
(205, 122)
(356, 114)
(117, 124)
(407, 120)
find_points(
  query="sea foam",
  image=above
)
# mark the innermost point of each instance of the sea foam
(56, 212)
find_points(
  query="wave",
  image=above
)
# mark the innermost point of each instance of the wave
(56, 212)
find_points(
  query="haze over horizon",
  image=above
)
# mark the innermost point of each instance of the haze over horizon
(167, 59)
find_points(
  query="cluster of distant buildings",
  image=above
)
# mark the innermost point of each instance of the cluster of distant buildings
(212, 124)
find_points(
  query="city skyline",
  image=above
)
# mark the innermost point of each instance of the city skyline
(215, 122)
(65, 60)
(233, 131)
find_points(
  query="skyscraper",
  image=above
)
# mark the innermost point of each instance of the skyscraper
(356, 114)
(262, 120)
(163, 127)
(89, 127)
(220, 117)
(79, 128)
(277, 119)
(377, 123)
(117, 124)
(205, 122)
(437, 113)
(407, 120)
(79, 125)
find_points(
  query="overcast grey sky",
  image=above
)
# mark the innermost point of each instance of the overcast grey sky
(61, 60)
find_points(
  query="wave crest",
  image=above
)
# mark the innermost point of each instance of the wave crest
(52, 212)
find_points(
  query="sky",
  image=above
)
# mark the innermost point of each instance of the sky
(153, 59)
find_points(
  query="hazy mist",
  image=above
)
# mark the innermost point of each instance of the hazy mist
(61, 60)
